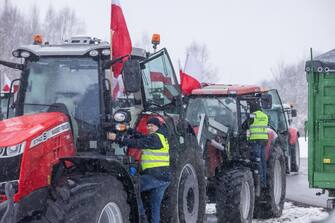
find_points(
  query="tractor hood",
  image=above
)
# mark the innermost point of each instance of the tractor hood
(16, 130)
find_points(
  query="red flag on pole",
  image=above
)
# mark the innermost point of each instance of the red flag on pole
(120, 38)
(7, 83)
(191, 76)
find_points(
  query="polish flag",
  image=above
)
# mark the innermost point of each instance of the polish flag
(118, 88)
(7, 83)
(120, 45)
(191, 77)
(120, 38)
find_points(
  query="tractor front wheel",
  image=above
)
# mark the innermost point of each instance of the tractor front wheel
(88, 199)
(235, 195)
(185, 198)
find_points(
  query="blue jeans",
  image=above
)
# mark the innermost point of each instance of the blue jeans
(156, 188)
(258, 155)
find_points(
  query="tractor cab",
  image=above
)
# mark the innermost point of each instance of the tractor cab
(220, 116)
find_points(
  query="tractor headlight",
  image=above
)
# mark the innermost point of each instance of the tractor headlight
(11, 151)
(120, 116)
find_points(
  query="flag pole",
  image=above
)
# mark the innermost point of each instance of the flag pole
(111, 74)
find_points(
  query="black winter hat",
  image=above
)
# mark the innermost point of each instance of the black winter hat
(155, 121)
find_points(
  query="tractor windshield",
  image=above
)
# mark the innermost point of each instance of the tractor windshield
(220, 109)
(72, 81)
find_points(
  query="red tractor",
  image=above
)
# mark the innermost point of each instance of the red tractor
(218, 114)
(56, 162)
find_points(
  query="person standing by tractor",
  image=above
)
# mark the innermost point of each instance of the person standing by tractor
(155, 163)
(258, 137)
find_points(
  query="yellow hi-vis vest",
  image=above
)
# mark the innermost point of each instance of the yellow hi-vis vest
(259, 128)
(151, 158)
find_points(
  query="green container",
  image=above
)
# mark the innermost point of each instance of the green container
(321, 121)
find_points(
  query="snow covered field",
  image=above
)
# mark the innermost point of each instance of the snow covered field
(291, 213)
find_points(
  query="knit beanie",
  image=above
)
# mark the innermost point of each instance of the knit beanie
(155, 121)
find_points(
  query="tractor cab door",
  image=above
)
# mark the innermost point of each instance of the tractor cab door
(161, 92)
(160, 85)
(277, 120)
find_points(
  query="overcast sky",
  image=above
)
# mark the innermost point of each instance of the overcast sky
(245, 38)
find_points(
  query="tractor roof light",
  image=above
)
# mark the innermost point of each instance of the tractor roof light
(94, 53)
(155, 40)
(38, 40)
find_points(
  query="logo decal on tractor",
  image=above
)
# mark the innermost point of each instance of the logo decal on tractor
(50, 133)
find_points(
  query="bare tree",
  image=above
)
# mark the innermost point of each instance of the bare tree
(201, 53)
(17, 29)
(290, 81)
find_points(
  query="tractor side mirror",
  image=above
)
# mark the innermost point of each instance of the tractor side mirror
(294, 113)
(132, 76)
(266, 101)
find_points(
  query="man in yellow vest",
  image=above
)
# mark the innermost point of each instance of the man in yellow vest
(258, 137)
(155, 164)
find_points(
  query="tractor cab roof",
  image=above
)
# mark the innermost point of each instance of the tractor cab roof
(322, 63)
(76, 46)
(225, 90)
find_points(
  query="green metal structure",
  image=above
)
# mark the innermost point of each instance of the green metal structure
(321, 122)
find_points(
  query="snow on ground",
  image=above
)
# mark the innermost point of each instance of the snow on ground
(303, 147)
(291, 213)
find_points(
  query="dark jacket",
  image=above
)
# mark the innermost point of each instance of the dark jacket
(151, 141)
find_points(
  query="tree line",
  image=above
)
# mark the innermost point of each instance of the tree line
(291, 83)
(17, 28)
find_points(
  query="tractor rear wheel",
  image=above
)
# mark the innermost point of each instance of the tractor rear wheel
(271, 202)
(235, 194)
(88, 199)
(185, 198)
(295, 157)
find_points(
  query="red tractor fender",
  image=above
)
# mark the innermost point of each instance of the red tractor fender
(293, 136)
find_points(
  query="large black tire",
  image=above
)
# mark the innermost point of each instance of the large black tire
(235, 194)
(185, 200)
(88, 199)
(295, 157)
(271, 202)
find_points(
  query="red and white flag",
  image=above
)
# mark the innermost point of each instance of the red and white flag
(191, 77)
(7, 84)
(120, 42)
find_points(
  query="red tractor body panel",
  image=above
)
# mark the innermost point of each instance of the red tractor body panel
(47, 138)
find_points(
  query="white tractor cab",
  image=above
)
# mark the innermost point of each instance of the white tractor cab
(63, 112)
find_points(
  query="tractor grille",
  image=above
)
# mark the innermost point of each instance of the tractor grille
(10, 169)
